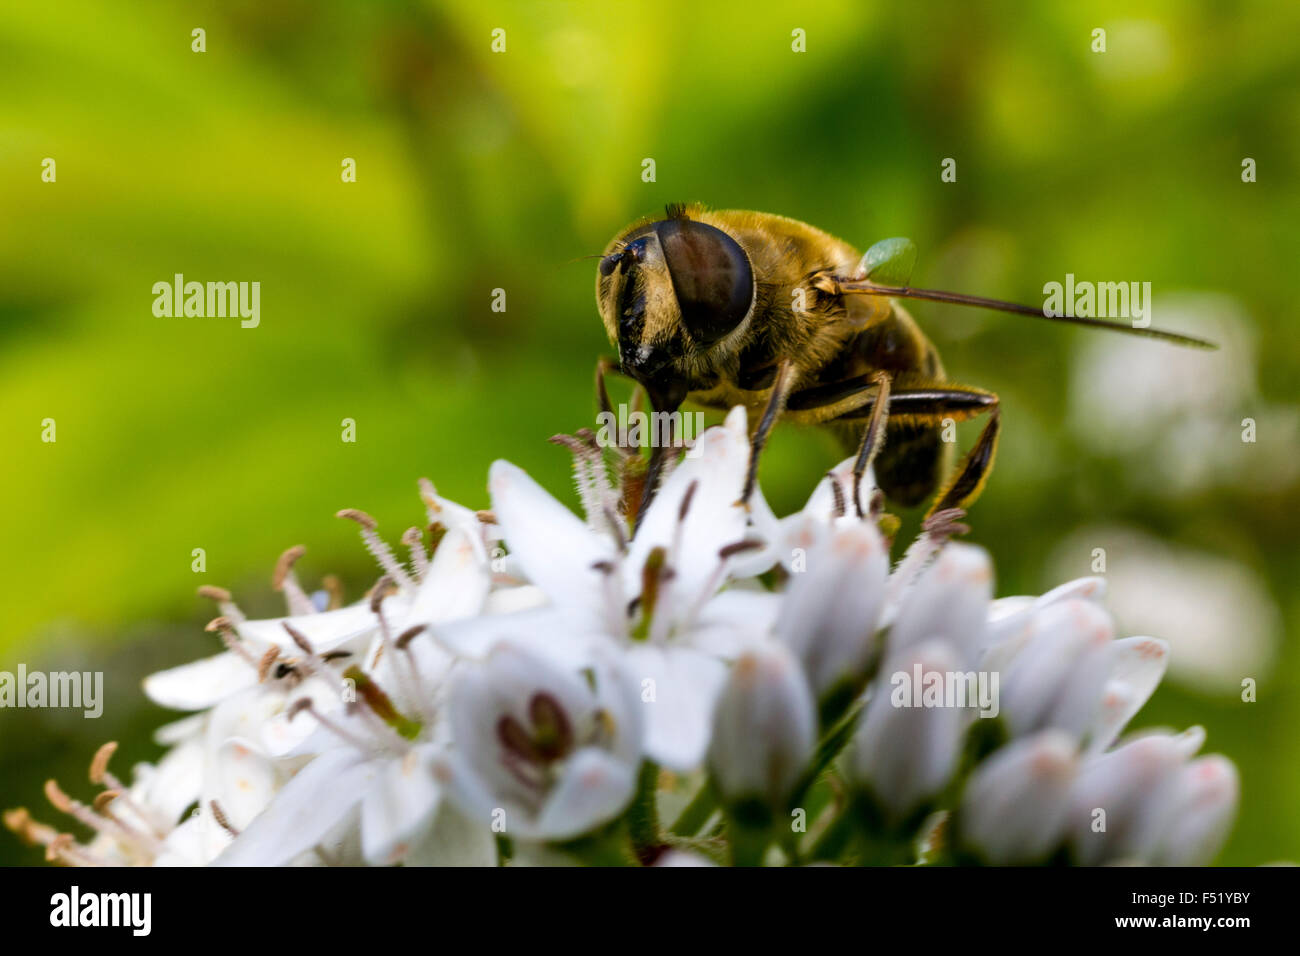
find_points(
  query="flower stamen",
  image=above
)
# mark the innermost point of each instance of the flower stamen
(220, 816)
(284, 580)
(413, 540)
(230, 637)
(225, 603)
(378, 547)
(305, 704)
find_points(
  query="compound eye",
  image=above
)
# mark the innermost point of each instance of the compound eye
(712, 277)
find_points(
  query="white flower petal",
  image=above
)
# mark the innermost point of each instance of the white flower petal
(765, 527)
(678, 703)
(455, 584)
(821, 504)
(454, 840)
(1140, 663)
(1057, 680)
(244, 781)
(594, 789)
(716, 518)
(797, 535)
(304, 812)
(174, 783)
(189, 843)
(683, 858)
(733, 621)
(543, 630)
(483, 775)
(280, 734)
(178, 731)
(448, 513)
(1089, 589)
(551, 543)
(244, 714)
(512, 600)
(327, 631)
(200, 684)
(399, 807)
(470, 792)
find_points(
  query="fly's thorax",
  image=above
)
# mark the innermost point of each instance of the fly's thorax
(893, 343)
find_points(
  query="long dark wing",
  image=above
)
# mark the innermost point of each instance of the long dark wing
(866, 287)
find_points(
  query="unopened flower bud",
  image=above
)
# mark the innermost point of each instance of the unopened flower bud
(950, 601)
(1058, 677)
(1187, 819)
(764, 727)
(1113, 790)
(1017, 802)
(903, 754)
(830, 611)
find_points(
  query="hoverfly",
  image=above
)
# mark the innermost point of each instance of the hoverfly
(747, 308)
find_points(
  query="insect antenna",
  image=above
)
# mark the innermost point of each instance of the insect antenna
(618, 247)
(866, 287)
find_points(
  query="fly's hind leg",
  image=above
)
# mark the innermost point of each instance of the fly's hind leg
(928, 407)
(967, 482)
(915, 414)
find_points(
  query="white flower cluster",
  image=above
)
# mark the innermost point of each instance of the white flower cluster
(542, 688)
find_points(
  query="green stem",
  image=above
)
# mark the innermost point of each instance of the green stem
(864, 834)
(749, 831)
(607, 847)
(789, 842)
(696, 813)
(837, 837)
(880, 848)
(643, 814)
(834, 741)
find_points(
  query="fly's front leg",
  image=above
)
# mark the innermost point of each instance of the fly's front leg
(604, 366)
(775, 406)
(811, 406)
(637, 482)
(867, 395)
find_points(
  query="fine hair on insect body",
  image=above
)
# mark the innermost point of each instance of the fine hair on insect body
(733, 307)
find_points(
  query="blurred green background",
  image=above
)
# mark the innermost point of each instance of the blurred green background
(479, 170)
